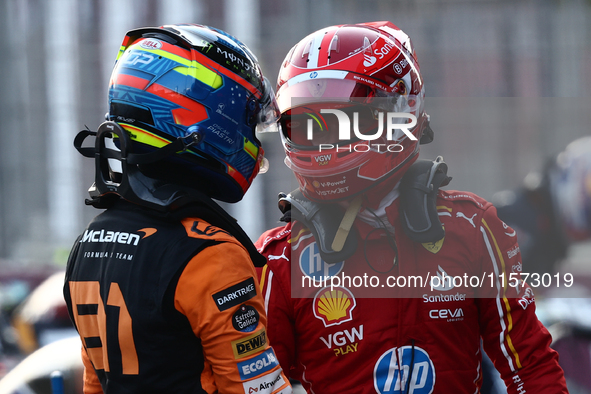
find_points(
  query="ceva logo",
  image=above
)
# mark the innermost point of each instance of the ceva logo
(450, 314)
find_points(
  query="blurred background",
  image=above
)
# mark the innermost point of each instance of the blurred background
(507, 84)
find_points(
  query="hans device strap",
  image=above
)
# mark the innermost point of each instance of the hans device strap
(163, 199)
(323, 220)
(420, 221)
(418, 192)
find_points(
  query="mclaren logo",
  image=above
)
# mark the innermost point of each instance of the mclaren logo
(120, 237)
(203, 228)
(334, 307)
(148, 231)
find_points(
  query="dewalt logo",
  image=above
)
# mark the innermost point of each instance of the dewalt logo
(250, 345)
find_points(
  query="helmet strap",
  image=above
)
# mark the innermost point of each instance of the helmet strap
(324, 221)
(346, 224)
(170, 201)
(132, 184)
(418, 207)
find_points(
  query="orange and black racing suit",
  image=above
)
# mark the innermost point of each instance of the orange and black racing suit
(166, 306)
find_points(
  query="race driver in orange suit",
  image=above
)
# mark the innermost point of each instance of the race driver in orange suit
(161, 285)
(381, 282)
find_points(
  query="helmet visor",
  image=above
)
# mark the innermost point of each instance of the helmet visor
(374, 119)
(318, 90)
(268, 116)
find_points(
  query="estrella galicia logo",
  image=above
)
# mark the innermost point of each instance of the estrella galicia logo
(313, 74)
(313, 266)
(391, 372)
(245, 319)
(235, 295)
(258, 365)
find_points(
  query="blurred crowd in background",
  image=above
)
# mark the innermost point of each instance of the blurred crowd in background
(507, 88)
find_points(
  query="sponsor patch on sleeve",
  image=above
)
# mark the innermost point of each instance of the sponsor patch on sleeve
(235, 295)
(265, 384)
(250, 344)
(245, 319)
(257, 365)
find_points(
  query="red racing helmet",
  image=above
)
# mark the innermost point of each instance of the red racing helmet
(366, 75)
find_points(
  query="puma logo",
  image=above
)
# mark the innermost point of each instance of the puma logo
(276, 257)
(471, 219)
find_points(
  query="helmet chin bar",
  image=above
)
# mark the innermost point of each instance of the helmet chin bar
(132, 184)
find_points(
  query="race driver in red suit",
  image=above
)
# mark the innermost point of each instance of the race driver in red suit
(355, 286)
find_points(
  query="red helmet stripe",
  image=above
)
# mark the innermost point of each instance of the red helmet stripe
(175, 50)
(130, 80)
(192, 111)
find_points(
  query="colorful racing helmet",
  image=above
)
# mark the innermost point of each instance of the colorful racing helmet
(351, 99)
(177, 81)
(570, 188)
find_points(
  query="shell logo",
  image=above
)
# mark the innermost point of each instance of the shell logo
(334, 306)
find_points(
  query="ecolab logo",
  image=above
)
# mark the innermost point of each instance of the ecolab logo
(258, 365)
(102, 236)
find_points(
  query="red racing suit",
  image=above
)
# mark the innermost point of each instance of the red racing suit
(370, 335)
